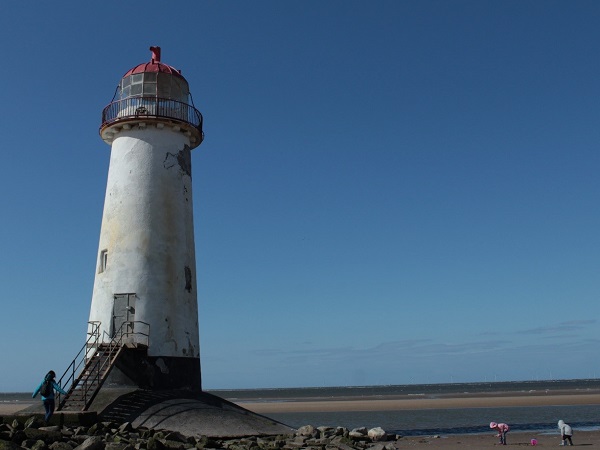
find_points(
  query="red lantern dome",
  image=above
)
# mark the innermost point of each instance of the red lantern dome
(153, 92)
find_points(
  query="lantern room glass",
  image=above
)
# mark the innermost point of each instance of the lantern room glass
(152, 84)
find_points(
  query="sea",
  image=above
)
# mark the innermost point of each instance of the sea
(534, 419)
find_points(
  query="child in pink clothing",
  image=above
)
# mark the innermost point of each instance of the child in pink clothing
(502, 429)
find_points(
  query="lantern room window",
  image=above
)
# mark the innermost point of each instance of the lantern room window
(152, 84)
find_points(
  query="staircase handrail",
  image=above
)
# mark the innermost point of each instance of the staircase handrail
(81, 357)
(101, 369)
(123, 331)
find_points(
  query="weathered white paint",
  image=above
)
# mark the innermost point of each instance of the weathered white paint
(148, 236)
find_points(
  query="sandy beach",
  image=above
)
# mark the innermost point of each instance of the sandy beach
(374, 404)
(12, 408)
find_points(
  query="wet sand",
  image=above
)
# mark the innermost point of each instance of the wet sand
(405, 403)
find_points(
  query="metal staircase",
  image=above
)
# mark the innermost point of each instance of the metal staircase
(96, 359)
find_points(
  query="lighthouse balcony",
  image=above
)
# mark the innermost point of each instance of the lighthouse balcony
(151, 109)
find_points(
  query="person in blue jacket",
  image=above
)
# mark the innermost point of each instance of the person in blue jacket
(48, 397)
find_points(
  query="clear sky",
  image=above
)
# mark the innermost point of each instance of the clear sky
(389, 192)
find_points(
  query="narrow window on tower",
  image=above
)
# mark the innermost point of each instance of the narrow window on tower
(103, 261)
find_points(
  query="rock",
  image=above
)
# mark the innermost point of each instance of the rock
(307, 430)
(125, 427)
(154, 443)
(19, 436)
(326, 432)
(377, 447)
(270, 443)
(9, 445)
(91, 443)
(362, 431)
(343, 446)
(342, 441)
(176, 436)
(39, 445)
(115, 446)
(34, 422)
(341, 431)
(174, 445)
(377, 434)
(43, 434)
(122, 436)
(95, 429)
(60, 446)
(79, 438)
(300, 439)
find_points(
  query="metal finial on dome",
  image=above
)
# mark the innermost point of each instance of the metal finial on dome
(155, 54)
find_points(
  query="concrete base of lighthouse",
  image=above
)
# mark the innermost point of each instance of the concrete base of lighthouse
(187, 412)
(165, 393)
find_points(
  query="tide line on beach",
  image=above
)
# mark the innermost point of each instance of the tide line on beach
(265, 407)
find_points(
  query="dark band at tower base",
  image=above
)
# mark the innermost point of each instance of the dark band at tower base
(136, 369)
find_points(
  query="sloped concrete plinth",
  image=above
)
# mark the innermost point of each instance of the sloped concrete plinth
(190, 413)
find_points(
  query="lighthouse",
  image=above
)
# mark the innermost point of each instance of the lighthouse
(144, 296)
(141, 361)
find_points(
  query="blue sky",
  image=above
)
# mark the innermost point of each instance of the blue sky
(389, 192)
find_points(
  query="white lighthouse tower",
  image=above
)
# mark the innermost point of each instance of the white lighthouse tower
(141, 361)
(145, 285)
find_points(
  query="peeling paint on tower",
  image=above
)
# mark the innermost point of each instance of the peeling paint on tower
(183, 159)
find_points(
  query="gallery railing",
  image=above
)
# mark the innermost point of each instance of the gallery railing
(151, 107)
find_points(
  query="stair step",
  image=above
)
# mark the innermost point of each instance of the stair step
(97, 366)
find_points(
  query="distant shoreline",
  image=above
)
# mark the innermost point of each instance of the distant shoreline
(450, 401)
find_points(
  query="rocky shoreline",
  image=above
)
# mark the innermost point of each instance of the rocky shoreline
(31, 434)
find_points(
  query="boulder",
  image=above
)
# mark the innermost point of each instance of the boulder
(92, 443)
(60, 446)
(358, 433)
(34, 422)
(39, 445)
(377, 434)
(9, 445)
(43, 434)
(308, 431)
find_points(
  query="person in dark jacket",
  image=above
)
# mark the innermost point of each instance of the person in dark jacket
(48, 397)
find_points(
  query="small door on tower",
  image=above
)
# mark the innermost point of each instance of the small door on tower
(123, 317)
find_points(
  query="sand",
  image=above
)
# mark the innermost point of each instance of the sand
(12, 408)
(421, 403)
